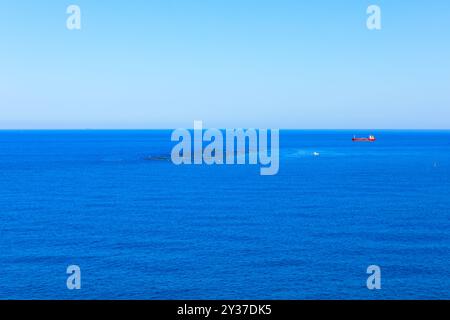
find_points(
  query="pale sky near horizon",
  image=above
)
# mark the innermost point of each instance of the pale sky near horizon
(230, 63)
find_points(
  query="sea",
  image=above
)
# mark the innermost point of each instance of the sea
(140, 227)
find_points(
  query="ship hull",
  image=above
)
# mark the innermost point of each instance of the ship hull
(363, 140)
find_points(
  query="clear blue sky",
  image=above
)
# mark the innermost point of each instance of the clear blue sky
(231, 63)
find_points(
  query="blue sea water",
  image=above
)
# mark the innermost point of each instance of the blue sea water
(147, 229)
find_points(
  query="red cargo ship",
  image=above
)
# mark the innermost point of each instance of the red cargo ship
(369, 139)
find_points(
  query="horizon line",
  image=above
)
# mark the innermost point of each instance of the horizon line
(206, 128)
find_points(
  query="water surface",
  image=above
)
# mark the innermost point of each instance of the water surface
(147, 229)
